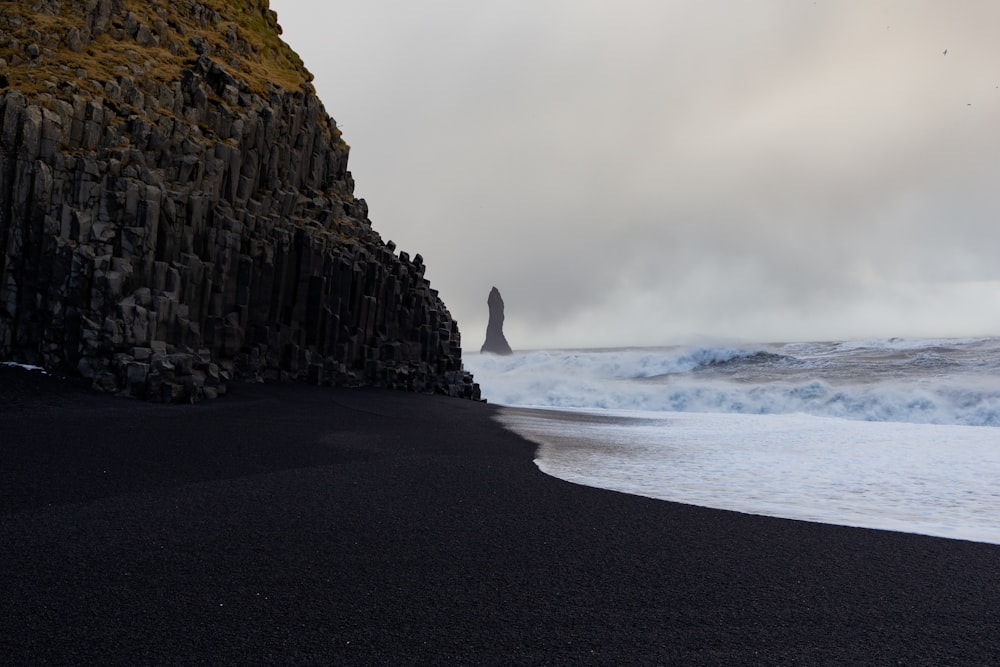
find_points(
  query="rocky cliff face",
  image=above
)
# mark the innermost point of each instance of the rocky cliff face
(176, 211)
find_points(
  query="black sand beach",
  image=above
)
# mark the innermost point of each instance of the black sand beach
(297, 525)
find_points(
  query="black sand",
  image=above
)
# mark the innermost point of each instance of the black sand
(296, 525)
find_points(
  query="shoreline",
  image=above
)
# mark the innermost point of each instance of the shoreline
(287, 523)
(838, 472)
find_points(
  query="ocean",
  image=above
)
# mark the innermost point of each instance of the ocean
(897, 434)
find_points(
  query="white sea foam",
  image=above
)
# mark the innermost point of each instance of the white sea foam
(926, 479)
(898, 434)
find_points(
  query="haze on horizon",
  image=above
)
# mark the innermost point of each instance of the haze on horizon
(649, 173)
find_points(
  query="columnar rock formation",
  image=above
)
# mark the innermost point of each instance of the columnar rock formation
(176, 211)
(495, 343)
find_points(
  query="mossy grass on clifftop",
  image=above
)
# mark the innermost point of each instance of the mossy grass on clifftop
(88, 42)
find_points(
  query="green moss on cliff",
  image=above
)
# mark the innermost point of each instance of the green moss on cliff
(47, 43)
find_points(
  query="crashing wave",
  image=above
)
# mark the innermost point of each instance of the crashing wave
(951, 382)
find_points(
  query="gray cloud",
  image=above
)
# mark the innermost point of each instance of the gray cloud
(649, 173)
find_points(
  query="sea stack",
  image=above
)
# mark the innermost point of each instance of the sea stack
(495, 341)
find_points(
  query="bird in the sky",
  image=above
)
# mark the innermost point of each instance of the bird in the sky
(946, 52)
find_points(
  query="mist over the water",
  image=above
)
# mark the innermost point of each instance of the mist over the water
(644, 173)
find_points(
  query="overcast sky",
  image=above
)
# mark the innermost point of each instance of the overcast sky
(672, 171)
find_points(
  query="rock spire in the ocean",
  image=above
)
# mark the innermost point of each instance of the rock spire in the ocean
(495, 343)
(176, 211)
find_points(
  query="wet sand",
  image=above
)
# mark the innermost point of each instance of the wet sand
(299, 525)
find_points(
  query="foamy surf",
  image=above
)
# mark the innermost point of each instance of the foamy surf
(932, 382)
(897, 435)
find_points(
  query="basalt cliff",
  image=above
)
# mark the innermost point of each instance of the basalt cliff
(176, 212)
